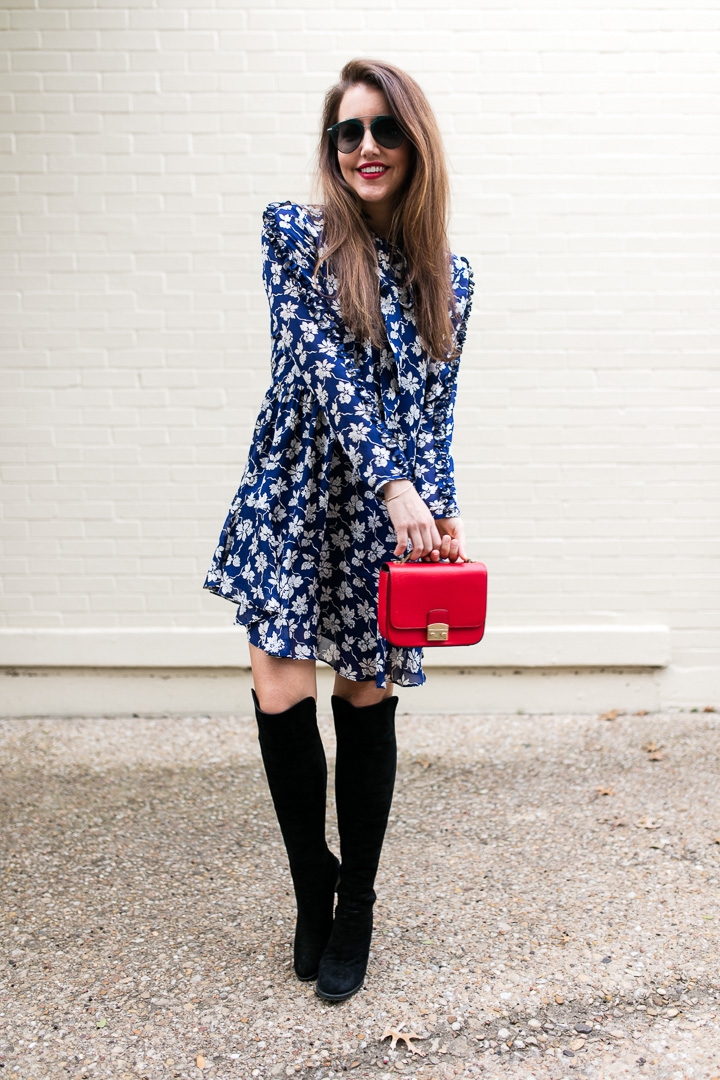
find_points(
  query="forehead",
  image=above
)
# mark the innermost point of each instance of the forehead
(362, 100)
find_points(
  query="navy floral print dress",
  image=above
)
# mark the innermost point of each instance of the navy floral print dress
(305, 537)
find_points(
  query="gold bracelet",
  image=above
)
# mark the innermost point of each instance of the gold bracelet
(399, 493)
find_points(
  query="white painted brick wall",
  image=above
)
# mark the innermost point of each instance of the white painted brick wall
(141, 145)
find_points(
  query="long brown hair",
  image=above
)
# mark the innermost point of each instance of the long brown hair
(419, 222)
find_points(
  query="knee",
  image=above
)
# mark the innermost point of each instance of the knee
(360, 695)
(276, 700)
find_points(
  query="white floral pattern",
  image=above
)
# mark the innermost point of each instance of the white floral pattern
(301, 549)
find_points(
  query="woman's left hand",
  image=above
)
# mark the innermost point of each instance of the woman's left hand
(452, 546)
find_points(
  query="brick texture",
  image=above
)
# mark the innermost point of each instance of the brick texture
(142, 143)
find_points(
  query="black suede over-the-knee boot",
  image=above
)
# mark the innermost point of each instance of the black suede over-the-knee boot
(296, 770)
(364, 782)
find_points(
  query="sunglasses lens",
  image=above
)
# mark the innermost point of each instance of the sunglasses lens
(388, 132)
(347, 136)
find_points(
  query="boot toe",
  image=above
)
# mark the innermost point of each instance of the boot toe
(344, 963)
(342, 972)
(339, 984)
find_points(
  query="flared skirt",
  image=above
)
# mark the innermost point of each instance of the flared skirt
(302, 545)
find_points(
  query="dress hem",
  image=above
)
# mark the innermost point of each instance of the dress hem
(315, 654)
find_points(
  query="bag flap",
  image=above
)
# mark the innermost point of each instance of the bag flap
(415, 589)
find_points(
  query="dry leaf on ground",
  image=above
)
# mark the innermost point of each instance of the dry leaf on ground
(396, 1033)
(647, 823)
(655, 752)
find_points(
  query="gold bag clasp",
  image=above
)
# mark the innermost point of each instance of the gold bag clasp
(438, 631)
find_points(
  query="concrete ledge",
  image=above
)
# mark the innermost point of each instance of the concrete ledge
(121, 692)
(199, 647)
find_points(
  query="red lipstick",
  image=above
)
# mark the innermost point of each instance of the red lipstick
(379, 165)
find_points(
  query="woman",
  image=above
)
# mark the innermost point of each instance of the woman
(350, 463)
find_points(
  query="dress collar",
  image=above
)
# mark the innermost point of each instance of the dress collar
(392, 271)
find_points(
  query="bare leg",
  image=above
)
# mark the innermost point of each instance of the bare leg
(281, 681)
(360, 694)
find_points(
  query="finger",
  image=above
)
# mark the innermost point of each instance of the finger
(402, 539)
(454, 550)
(417, 543)
(427, 539)
(440, 552)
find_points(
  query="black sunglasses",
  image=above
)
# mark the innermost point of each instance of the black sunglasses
(348, 134)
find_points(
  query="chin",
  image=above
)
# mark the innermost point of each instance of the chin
(375, 194)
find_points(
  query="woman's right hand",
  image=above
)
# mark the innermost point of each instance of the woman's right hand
(411, 520)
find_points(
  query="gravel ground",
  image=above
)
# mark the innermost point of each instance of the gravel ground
(547, 904)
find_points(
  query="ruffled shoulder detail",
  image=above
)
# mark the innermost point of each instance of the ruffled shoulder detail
(291, 235)
(294, 230)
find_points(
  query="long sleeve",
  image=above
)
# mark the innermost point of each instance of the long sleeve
(438, 486)
(306, 328)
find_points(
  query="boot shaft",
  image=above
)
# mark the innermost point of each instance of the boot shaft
(365, 770)
(296, 772)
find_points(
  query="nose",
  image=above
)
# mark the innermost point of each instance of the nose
(368, 146)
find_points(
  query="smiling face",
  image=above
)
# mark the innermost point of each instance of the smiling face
(375, 173)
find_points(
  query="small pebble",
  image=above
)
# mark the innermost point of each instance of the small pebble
(126, 901)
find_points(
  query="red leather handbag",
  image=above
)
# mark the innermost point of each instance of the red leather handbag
(426, 603)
